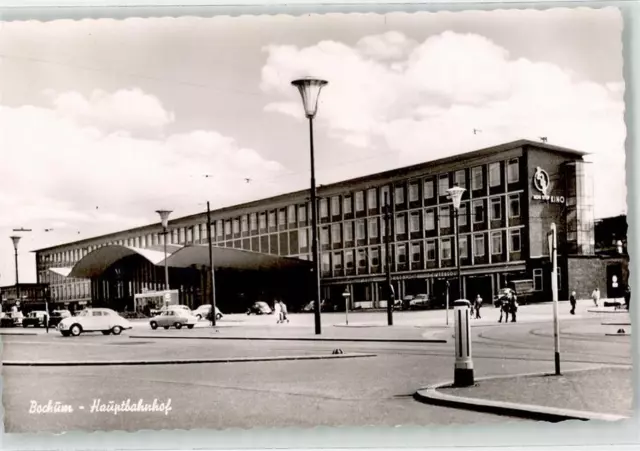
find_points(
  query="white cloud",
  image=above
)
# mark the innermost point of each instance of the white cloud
(426, 103)
(73, 177)
(390, 45)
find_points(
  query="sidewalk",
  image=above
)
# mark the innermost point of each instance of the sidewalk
(607, 390)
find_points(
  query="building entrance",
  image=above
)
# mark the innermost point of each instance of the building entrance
(480, 285)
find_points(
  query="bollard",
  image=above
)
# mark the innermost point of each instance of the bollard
(463, 374)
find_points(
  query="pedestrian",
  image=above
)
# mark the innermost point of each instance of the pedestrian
(627, 297)
(477, 305)
(283, 312)
(595, 296)
(277, 311)
(572, 300)
(513, 306)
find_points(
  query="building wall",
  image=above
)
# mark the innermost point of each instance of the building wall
(586, 274)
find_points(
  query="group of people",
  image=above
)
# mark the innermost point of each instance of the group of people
(595, 297)
(280, 309)
(508, 306)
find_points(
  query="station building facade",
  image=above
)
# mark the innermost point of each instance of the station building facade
(514, 192)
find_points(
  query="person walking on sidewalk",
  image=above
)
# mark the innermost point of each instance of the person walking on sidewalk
(595, 296)
(627, 296)
(572, 300)
(283, 312)
(277, 311)
(477, 305)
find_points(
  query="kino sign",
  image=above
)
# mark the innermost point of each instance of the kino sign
(541, 183)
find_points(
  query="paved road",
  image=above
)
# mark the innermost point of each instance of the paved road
(368, 391)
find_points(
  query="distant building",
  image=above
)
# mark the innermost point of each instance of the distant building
(32, 296)
(514, 192)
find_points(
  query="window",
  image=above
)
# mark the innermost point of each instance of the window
(326, 262)
(444, 217)
(431, 250)
(462, 215)
(337, 261)
(496, 243)
(428, 189)
(324, 236)
(414, 195)
(537, 279)
(401, 253)
(362, 258)
(416, 253)
(496, 209)
(373, 228)
(335, 206)
(414, 224)
(374, 255)
(302, 238)
(477, 179)
(236, 226)
(372, 198)
(514, 206)
(495, 176)
(263, 221)
(227, 227)
(282, 217)
(359, 201)
(478, 245)
(384, 194)
(348, 231)
(348, 259)
(400, 225)
(336, 235)
(460, 179)
(445, 249)
(478, 211)
(302, 213)
(360, 230)
(430, 220)
(346, 205)
(513, 171)
(399, 194)
(324, 208)
(463, 247)
(515, 240)
(272, 219)
(291, 212)
(443, 185)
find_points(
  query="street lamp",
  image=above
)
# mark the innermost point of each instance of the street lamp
(456, 196)
(16, 240)
(164, 217)
(310, 91)
(346, 295)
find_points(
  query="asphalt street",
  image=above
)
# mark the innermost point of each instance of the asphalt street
(366, 391)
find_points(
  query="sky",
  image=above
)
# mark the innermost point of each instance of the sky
(102, 122)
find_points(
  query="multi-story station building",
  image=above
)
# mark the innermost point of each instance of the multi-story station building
(513, 193)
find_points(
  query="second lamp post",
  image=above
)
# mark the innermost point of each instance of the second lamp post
(310, 91)
(164, 217)
(456, 197)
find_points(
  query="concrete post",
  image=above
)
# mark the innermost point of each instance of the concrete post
(463, 374)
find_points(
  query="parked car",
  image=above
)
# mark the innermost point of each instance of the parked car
(421, 301)
(260, 308)
(204, 310)
(102, 320)
(173, 318)
(181, 307)
(9, 319)
(35, 318)
(57, 316)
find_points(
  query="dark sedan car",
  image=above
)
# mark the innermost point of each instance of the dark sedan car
(35, 319)
(57, 316)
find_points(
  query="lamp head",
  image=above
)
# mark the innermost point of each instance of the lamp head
(164, 217)
(456, 195)
(346, 293)
(15, 240)
(309, 88)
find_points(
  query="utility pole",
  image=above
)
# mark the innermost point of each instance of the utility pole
(212, 269)
(387, 246)
(553, 254)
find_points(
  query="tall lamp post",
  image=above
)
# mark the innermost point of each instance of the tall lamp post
(212, 269)
(310, 91)
(16, 240)
(346, 295)
(164, 217)
(456, 196)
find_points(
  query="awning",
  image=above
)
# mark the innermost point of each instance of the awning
(96, 262)
(64, 272)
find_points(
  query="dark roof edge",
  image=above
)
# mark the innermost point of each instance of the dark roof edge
(475, 153)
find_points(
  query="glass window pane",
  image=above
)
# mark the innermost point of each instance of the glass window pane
(477, 178)
(460, 179)
(514, 206)
(324, 209)
(272, 219)
(336, 233)
(400, 225)
(496, 209)
(443, 185)
(413, 193)
(429, 220)
(495, 175)
(445, 249)
(372, 198)
(496, 243)
(428, 189)
(478, 245)
(513, 171)
(359, 201)
(373, 228)
(399, 194)
(346, 205)
(444, 217)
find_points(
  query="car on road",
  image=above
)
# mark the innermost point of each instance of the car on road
(204, 311)
(181, 307)
(260, 308)
(173, 318)
(35, 318)
(57, 316)
(102, 320)
(421, 301)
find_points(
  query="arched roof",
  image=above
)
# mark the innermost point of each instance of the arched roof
(96, 262)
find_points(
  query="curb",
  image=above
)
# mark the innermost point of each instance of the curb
(18, 333)
(367, 340)
(186, 361)
(609, 311)
(617, 335)
(615, 324)
(431, 395)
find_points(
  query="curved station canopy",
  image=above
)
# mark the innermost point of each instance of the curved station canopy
(96, 262)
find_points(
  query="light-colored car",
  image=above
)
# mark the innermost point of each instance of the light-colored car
(204, 310)
(173, 318)
(102, 320)
(180, 307)
(420, 301)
